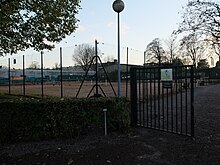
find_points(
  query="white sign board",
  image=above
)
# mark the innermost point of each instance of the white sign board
(166, 74)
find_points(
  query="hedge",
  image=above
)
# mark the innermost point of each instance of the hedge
(25, 119)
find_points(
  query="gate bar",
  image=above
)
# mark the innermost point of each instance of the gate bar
(192, 102)
(133, 94)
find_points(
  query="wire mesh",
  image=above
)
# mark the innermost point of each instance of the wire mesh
(55, 73)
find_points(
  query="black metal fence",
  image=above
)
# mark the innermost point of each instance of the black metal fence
(25, 75)
(208, 75)
(54, 74)
(162, 98)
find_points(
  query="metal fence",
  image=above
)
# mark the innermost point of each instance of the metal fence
(54, 73)
(208, 75)
(162, 98)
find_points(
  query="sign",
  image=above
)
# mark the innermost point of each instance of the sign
(167, 77)
(166, 74)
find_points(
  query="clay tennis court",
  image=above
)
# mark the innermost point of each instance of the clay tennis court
(70, 89)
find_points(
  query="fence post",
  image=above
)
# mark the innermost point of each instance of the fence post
(105, 120)
(192, 101)
(133, 94)
(9, 76)
(61, 73)
(24, 76)
(42, 76)
(127, 74)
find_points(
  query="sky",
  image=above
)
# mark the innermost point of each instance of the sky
(140, 22)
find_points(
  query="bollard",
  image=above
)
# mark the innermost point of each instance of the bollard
(105, 120)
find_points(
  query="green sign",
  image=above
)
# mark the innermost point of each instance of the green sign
(166, 74)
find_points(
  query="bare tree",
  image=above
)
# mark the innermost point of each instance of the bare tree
(215, 45)
(83, 55)
(155, 52)
(202, 64)
(34, 65)
(172, 48)
(56, 66)
(202, 17)
(193, 47)
(217, 49)
(183, 55)
(109, 58)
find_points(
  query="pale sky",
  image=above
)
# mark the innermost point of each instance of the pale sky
(141, 21)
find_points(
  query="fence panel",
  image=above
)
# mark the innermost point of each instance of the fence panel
(163, 98)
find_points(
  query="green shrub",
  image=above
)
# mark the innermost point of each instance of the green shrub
(25, 119)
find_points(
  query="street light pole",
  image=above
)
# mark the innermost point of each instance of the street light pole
(119, 61)
(118, 6)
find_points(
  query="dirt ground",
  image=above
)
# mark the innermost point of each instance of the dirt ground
(139, 146)
(70, 89)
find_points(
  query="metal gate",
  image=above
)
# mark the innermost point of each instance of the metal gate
(162, 98)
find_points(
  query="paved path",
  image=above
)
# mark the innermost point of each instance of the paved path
(205, 147)
(207, 111)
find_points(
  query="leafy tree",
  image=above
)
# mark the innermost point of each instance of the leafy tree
(83, 55)
(202, 64)
(35, 24)
(155, 52)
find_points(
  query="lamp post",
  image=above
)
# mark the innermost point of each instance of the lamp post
(118, 6)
